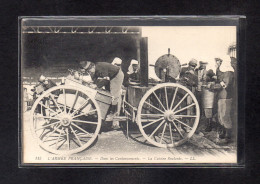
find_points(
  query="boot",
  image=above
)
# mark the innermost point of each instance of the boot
(112, 113)
(209, 126)
(228, 134)
(222, 132)
(224, 136)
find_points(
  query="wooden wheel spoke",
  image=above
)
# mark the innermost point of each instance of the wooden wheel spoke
(163, 132)
(57, 142)
(170, 127)
(153, 122)
(49, 140)
(180, 101)
(51, 133)
(61, 144)
(152, 115)
(166, 98)
(184, 108)
(83, 140)
(154, 107)
(84, 113)
(47, 117)
(80, 128)
(88, 122)
(76, 142)
(51, 95)
(84, 136)
(47, 125)
(177, 129)
(173, 98)
(41, 133)
(68, 139)
(185, 116)
(55, 114)
(158, 100)
(183, 123)
(59, 137)
(47, 107)
(75, 135)
(156, 129)
(75, 100)
(65, 103)
(81, 107)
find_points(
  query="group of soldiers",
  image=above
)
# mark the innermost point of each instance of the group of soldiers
(216, 94)
(221, 85)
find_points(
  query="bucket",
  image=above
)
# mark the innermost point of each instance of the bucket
(207, 98)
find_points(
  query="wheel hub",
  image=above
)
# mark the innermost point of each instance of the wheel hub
(169, 116)
(66, 121)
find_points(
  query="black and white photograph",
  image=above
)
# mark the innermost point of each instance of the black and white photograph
(97, 91)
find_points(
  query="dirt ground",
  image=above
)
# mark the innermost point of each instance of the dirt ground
(114, 146)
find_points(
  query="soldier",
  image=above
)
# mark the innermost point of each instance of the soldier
(190, 68)
(218, 64)
(188, 74)
(224, 87)
(46, 82)
(133, 71)
(103, 73)
(118, 62)
(208, 98)
(201, 74)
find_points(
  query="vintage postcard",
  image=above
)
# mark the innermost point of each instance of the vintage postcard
(97, 90)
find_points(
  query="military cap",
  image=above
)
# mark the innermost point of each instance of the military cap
(193, 62)
(203, 63)
(85, 64)
(218, 59)
(42, 78)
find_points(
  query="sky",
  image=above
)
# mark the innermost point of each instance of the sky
(204, 43)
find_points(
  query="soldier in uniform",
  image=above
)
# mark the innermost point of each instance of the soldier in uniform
(118, 62)
(224, 87)
(133, 71)
(190, 68)
(208, 98)
(218, 64)
(103, 73)
(201, 73)
(187, 76)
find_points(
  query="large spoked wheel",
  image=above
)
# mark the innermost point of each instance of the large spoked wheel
(65, 120)
(168, 115)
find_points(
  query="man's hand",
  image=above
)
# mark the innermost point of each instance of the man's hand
(223, 84)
